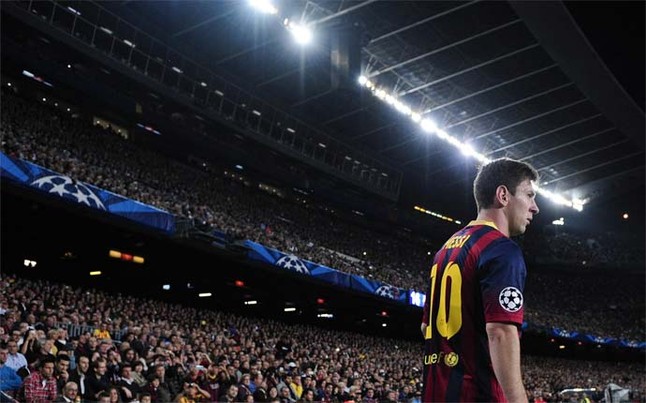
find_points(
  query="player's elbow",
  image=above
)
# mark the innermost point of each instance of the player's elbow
(497, 332)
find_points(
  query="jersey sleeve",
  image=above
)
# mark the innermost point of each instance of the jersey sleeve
(502, 282)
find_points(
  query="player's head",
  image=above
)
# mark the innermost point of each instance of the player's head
(509, 185)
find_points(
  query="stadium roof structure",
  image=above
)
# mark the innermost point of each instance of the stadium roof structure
(515, 79)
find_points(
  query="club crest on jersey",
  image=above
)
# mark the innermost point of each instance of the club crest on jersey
(511, 299)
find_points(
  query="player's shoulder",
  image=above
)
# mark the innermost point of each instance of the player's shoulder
(502, 246)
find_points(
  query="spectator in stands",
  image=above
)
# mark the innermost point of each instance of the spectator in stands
(40, 386)
(70, 393)
(102, 332)
(128, 388)
(61, 371)
(10, 382)
(15, 359)
(80, 376)
(231, 395)
(98, 381)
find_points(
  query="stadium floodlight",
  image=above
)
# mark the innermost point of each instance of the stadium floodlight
(204, 294)
(252, 302)
(560, 221)
(429, 126)
(301, 33)
(292, 309)
(264, 6)
(166, 287)
(95, 273)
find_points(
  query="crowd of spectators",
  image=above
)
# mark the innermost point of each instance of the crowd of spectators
(603, 249)
(74, 147)
(173, 352)
(97, 156)
(607, 305)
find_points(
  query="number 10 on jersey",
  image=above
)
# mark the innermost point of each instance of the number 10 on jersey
(449, 309)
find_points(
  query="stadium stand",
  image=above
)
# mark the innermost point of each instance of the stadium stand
(99, 156)
(171, 347)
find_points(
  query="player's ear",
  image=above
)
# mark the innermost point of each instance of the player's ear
(502, 195)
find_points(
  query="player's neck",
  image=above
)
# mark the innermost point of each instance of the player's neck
(497, 217)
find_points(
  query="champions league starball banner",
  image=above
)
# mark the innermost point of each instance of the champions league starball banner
(293, 263)
(596, 339)
(47, 181)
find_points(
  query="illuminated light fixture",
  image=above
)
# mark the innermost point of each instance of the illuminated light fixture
(252, 302)
(561, 347)
(301, 34)
(28, 74)
(68, 109)
(429, 126)
(73, 10)
(166, 287)
(325, 315)
(176, 70)
(204, 294)
(384, 174)
(625, 216)
(289, 129)
(320, 301)
(383, 325)
(560, 221)
(436, 215)
(149, 129)
(264, 6)
(220, 93)
(44, 99)
(240, 167)
(29, 263)
(255, 112)
(125, 257)
(239, 283)
(69, 66)
(127, 42)
(8, 84)
(292, 309)
(203, 84)
(322, 145)
(107, 31)
(95, 273)
(384, 313)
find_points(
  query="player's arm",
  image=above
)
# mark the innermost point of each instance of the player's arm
(504, 348)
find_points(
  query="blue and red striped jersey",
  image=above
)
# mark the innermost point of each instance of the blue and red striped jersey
(478, 276)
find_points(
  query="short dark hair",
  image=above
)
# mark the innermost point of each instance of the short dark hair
(503, 171)
(47, 359)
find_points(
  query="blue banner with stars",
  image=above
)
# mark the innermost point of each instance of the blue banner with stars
(293, 263)
(58, 185)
